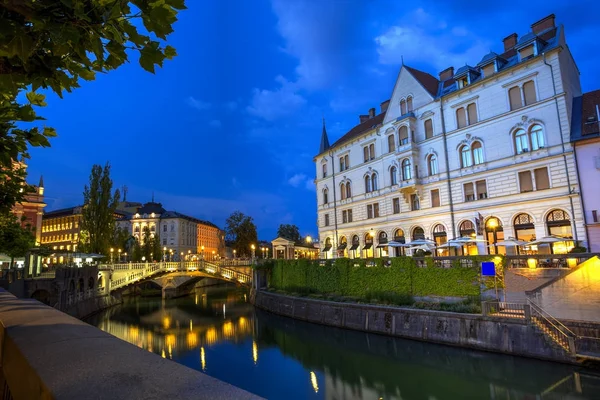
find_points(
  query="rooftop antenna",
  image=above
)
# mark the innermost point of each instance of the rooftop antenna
(153, 196)
(402, 59)
(124, 188)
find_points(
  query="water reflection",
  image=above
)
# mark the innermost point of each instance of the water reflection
(218, 332)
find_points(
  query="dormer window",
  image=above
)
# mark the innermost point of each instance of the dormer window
(526, 52)
(465, 76)
(529, 46)
(489, 70)
(463, 82)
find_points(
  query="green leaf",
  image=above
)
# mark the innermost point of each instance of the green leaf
(49, 132)
(87, 74)
(170, 52)
(36, 99)
(177, 4)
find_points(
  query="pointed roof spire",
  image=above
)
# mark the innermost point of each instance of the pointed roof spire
(153, 196)
(324, 140)
(41, 184)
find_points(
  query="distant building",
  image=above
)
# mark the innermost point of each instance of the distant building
(481, 152)
(286, 249)
(61, 229)
(32, 207)
(177, 232)
(585, 134)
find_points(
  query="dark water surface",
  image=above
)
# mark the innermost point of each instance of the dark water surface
(218, 332)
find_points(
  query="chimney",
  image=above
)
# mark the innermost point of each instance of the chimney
(543, 24)
(510, 41)
(385, 105)
(447, 74)
(371, 112)
(363, 118)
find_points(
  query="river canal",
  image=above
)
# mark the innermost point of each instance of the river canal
(218, 332)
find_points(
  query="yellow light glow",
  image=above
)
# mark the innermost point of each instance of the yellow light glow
(211, 335)
(170, 340)
(492, 223)
(254, 352)
(253, 247)
(532, 263)
(309, 239)
(133, 332)
(163, 355)
(202, 358)
(571, 262)
(191, 325)
(192, 340)
(242, 323)
(313, 381)
(228, 329)
(166, 322)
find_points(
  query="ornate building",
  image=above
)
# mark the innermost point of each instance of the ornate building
(32, 208)
(481, 152)
(585, 134)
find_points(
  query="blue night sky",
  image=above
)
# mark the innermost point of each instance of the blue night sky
(234, 121)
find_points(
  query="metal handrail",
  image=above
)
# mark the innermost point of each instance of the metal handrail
(551, 319)
(553, 328)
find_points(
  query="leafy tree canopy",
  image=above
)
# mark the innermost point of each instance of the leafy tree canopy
(53, 44)
(15, 240)
(241, 231)
(290, 232)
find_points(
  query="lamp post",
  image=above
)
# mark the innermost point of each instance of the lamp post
(202, 248)
(213, 255)
(234, 254)
(253, 247)
(372, 234)
(188, 255)
(111, 254)
(151, 257)
(164, 253)
(125, 256)
(119, 255)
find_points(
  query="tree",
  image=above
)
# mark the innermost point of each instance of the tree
(290, 232)
(52, 44)
(15, 240)
(136, 254)
(241, 231)
(99, 205)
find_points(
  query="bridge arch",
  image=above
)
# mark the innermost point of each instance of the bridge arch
(41, 295)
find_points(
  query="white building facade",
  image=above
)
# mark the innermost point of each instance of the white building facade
(484, 152)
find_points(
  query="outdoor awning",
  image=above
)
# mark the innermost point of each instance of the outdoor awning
(343, 246)
(368, 246)
(327, 248)
(354, 247)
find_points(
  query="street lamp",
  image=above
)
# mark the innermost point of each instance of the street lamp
(253, 247)
(164, 253)
(181, 256)
(111, 254)
(125, 256)
(202, 252)
(119, 255)
(151, 257)
(308, 239)
(213, 253)
(234, 254)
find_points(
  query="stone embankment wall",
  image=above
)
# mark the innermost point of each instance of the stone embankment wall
(88, 307)
(503, 335)
(46, 354)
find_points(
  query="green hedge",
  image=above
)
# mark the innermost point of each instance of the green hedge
(351, 277)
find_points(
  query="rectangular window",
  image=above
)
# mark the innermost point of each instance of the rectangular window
(366, 153)
(428, 129)
(344, 217)
(369, 211)
(514, 95)
(488, 70)
(326, 219)
(375, 210)
(525, 181)
(164, 228)
(396, 205)
(472, 113)
(414, 202)
(595, 215)
(541, 178)
(372, 151)
(324, 170)
(529, 93)
(435, 198)
(481, 189)
(461, 118)
(342, 164)
(526, 52)
(469, 192)
(349, 212)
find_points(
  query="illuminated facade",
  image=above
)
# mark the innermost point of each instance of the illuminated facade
(32, 208)
(483, 152)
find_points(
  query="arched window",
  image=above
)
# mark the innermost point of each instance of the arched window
(559, 224)
(477, 153)
(406, 170)
(461, 118)
(439, 234)
(326, 196)
(328, 245)
(374, 184)
(403, 133)
(343, 191)
(382, 238)
(465, 156)
(402, 107)
(324, 170)
(466, 228)
(399, 237)
(521, 141)
(418, 233)
(409, 104)
(494, 233)
(368, 184)
(432, 164)
(391, 143)
(348, 190)
(529, 92)
(393, 176)
(537, 137)
(524, 227)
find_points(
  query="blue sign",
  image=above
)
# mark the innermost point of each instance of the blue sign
(488, 268)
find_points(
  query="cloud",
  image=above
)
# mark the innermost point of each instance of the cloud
(323, 35)
(197, 104)
(297, 179)
(215, 123)
(310, 184)
(271, 105)
(422, 38)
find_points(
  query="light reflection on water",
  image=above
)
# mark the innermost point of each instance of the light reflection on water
(216, 331)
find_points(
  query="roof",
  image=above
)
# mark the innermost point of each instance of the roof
(429, 82)
(360, 129)
(324, 140)
(151, 207)
(175, 214)
(488, 57)
(585, 122)
(60, 212)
